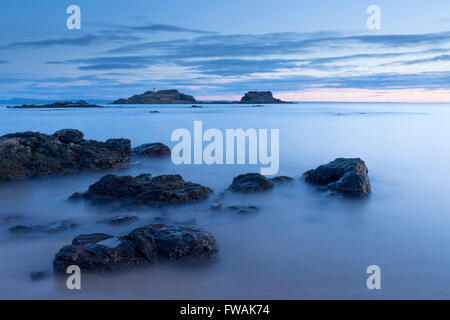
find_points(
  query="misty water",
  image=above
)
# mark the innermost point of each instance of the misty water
(302, 243)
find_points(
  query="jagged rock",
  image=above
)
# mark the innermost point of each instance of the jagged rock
(250, 182)
(60, 104)
(139, 248)
(33, 154)
(348, 176)
(54, 227)
(152, 150)
(143, 190)
(281, 179)
(120, 220)
(158, 97)
(255, 97)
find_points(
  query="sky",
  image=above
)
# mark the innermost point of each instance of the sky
(301, 50)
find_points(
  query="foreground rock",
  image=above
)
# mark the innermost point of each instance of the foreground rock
(250, 182)
(255, 97)
(99, 253)
(158, 97)
(58, 105)
(152, 150)
(281, 179)
(348, 176)
(33, 154)
(143, 190)
(54, 227)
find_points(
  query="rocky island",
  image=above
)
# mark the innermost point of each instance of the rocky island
(60, 104)
(253, 97)
(158, 97)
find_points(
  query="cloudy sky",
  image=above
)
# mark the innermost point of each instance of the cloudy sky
(219, 49)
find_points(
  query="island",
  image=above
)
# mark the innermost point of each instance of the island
(253, 97)
(159, 97)
(59, 105)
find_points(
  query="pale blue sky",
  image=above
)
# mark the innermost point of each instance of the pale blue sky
(220, 49)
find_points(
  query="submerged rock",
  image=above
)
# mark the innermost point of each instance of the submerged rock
(33, 154)
(348, 176)
(243, 209)
(281, 179)
(54, 227)
(250, 182)
(139, 248)
(196, 106)
(120, 220)
(152, 150)
(143, 190)
(38, 275)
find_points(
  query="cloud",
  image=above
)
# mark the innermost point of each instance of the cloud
(3, 61)
(444, 57)
(163, 28)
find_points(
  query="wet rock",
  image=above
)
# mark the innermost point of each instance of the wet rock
(243, 209)
(54, 227)
(250, 182)
(143, 190)
(152, 150)
(139, 248)
(69, 136)
(347, 176)
(120, 220)
(195, 106)
(33, 154)
(281, 179)
(84, 239)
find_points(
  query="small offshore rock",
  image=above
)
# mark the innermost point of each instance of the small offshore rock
(54, 227)
(281, 179)
(250, 182)
(152, 150)
(243, 209)
(38, 275)
(347, 176)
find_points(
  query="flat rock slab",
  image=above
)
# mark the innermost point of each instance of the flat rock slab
(33, 154)
(143, 190)
(347, 176)
(100, 253)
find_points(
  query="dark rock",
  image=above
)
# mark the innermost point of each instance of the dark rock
(281, 179)
(33, 154)
(152, 150)
(348, 176)
(195, 106)
(154, 111)
(38, 275)
(60, 104)
(260, 97)
(91, 238)
(120, 220)
(143, 190)
(243, 209)
(69, 136)
(250, 182)
(139, 248)
(54, 227)
(158, 97)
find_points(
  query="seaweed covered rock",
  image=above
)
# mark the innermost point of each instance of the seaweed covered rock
(99, 253)
(250, 182)
(33, 154)
(152, 150)
(348, 176)
(143, 190)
